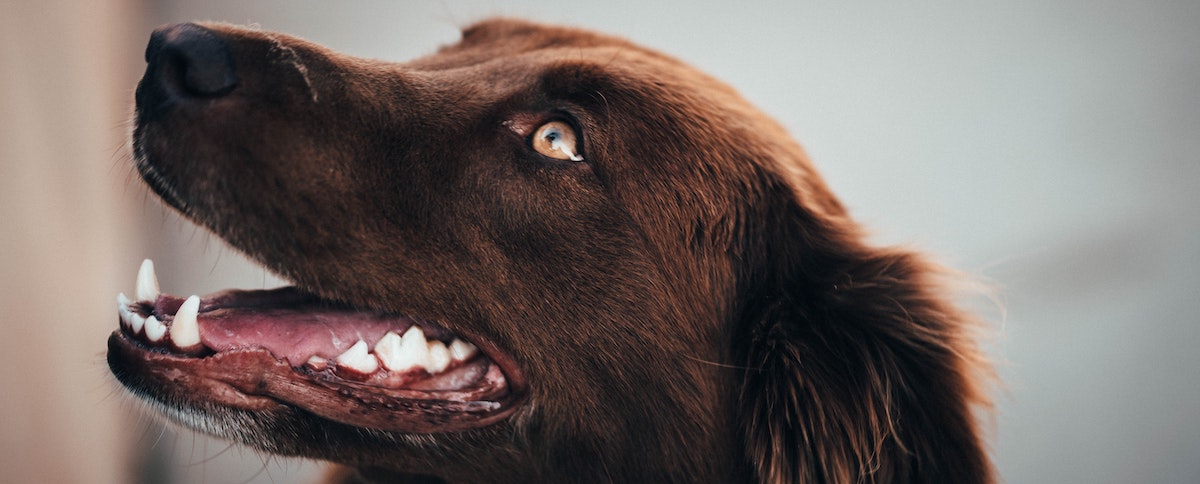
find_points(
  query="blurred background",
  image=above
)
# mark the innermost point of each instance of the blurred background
(1050, 147)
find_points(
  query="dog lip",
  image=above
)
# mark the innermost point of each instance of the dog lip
(253, 380)
(154, 178)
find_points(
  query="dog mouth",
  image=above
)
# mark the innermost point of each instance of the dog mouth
(255, 350)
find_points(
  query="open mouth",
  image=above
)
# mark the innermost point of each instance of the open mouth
(252, 350)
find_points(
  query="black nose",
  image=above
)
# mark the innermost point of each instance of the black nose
(187, 60)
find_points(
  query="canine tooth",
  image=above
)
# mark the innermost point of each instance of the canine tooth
(461, 350)
(147, 282)
(155, 329)
(357, 358)
(438, 358)
(185, 331)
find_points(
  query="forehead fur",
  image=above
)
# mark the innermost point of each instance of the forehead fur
(672, 101)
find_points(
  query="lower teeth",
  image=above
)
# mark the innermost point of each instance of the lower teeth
(397, 354)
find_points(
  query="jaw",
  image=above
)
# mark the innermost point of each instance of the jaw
(293, 359)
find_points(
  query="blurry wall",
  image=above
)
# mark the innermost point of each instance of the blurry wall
(65, 228)
(1049, 146)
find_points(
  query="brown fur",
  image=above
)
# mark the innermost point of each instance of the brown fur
(689, 304)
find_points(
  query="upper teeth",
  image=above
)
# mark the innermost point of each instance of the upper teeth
(394, 352)
(147, 282)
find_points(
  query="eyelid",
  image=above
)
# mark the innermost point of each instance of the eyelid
(523, 124)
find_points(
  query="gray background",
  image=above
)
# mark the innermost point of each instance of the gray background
(1048, 147)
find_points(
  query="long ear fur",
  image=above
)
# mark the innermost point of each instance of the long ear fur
(859, 370)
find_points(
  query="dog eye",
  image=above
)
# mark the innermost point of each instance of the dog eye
(557, 140)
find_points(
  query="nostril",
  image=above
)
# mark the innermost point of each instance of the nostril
(195, 58)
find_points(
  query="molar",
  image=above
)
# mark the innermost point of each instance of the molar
(401, 353)
(461, 350)
(437, 358)
(357, 358)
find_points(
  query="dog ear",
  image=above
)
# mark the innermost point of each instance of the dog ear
(856, 368)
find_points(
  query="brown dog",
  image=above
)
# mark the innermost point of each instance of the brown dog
(539, 255)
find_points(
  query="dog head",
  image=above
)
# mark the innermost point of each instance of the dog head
(631, 273)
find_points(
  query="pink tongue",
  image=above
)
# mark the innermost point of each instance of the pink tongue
(295, 335)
